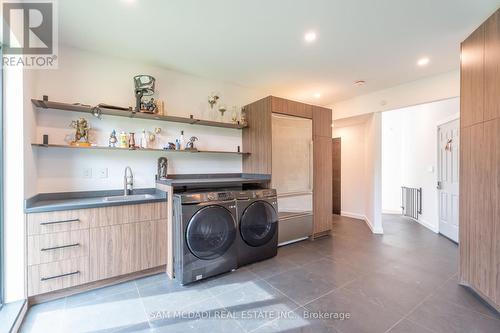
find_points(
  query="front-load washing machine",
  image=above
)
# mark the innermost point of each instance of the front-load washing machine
(257, 236)
(204, 235)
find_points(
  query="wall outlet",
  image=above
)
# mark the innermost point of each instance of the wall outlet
(103, 173)
(87, 173)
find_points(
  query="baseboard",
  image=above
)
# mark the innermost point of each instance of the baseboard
(364, 218)
(391, 212)
(352, 215)
(429, 226)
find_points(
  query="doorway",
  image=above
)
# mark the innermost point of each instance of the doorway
(336, 182)
(448, 177)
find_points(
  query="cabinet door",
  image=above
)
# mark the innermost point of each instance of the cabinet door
(322, 122)
(114, 250)
(322, 194)
(492, 67)
(122, 249)
(291, 108)
(472, 79)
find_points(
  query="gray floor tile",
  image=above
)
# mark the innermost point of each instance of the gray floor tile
(302, 285)
(45, 317)
(168, 295)
(298, 254)
(397, 295)
(406, 326)
(442, 316)
(298, 321)
(117, 311)
(255, 303)
(460, 295)
(205, 316)
(230, 281)
(365, 315)
(100, 294)
(332, 271)
(273, 266)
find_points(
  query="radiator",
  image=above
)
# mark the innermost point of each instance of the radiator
(411, 201)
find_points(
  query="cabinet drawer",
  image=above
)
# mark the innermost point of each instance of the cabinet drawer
(59, 246)
(129, 214)
(57, 275)
(44, 223)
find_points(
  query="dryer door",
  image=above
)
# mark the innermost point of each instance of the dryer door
(258, 223)
(210, 232)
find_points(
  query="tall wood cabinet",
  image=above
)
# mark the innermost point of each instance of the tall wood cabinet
(480, 161)
(257, 138)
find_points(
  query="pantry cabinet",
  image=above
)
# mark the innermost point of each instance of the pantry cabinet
(480, 162)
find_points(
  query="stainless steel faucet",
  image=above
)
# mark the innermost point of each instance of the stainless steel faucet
(128, 181)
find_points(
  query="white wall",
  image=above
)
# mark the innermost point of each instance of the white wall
(426, 90)
(91, 79)
(415, 164)
(352, 166)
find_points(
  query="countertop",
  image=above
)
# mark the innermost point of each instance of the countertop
(222, 179)
(48, 202)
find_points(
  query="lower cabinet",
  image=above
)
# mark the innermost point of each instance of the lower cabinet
(71, 248)
(127, 248)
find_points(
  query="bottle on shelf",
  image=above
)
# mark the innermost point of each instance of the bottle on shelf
(123, 140)
(182, 143)
(144, 140)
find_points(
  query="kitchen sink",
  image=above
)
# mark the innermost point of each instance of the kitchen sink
(131, 197)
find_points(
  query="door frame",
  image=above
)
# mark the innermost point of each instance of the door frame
(440, 123)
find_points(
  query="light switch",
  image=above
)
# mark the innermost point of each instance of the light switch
(103, 173)
(87, 173)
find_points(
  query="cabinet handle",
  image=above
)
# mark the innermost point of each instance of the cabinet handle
(62, 221)
(59, 247)
(59, 276)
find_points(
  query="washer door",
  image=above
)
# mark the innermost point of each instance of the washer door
(210, 232)
(258, 223)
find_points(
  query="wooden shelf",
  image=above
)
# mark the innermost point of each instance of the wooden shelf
(130, 114)
(140, 149)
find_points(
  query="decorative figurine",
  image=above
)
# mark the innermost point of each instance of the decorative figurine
(82, 132)
(190, 144)
(112, 139)
(162, 168)
(123, 140)
(212, 99)
(243, 117)
(169, 146)
(149, 106)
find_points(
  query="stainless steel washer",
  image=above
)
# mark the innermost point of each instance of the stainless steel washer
(204, 235)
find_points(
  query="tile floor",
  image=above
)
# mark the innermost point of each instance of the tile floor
(403, 281)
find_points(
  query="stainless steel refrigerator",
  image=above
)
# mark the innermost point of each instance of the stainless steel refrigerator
(292, 170)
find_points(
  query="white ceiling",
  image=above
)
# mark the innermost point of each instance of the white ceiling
(260, 44)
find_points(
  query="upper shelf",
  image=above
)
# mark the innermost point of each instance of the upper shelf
(130, 114)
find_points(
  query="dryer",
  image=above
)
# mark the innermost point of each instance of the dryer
(257, 236)
(205, 233)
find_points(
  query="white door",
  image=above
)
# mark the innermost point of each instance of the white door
(448, 160)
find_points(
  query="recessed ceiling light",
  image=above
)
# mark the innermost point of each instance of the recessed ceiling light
(310, 36)
(317, 95)
(359, 83)
(423, 61)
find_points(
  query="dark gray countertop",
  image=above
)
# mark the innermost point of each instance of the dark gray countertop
(48, 202)
(215, 179)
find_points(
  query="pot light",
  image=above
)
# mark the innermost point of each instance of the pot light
(317, 95)
(359, 83)
(423, 61)
(310, 36)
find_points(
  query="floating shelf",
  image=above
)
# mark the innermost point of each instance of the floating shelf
(131, 114)
(140, 149)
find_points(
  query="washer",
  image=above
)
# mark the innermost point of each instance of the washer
(205, 232)
(257, 225)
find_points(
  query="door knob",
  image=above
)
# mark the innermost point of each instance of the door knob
(438, 185)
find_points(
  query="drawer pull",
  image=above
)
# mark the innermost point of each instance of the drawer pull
(59, 276)
(59, 247)
(62, 221)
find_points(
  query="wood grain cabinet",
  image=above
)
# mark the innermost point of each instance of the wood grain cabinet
(257, 138)
(480, 162)
(74, 247)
